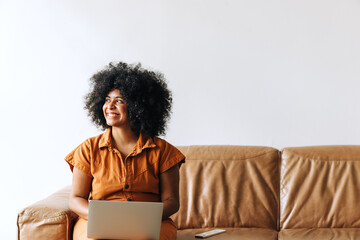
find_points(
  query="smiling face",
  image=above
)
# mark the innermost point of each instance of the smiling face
(115, 109)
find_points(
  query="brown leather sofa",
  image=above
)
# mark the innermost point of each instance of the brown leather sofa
(252, 192)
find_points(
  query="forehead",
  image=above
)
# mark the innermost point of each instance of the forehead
(114, 93)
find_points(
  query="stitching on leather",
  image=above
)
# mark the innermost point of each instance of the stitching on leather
(37, 217)
(18, 227)
(236, 159)
(302, 157)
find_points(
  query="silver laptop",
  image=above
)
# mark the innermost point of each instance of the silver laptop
(124, 220)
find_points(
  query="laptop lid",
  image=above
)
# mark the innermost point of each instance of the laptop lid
(124, 220)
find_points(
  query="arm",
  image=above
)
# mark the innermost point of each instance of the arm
(169, 183)
(78, 202)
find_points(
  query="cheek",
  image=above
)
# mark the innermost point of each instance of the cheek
(124, 110)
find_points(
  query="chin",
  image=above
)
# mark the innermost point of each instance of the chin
(110, 124)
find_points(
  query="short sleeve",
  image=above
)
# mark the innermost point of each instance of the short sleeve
(170, 157)
(80, 158)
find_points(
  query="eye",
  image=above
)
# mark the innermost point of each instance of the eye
(119, 101)
(107, 100)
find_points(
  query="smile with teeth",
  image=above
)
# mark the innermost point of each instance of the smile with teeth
(113, 114)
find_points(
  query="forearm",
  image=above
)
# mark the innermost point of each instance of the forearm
(170, 191)
(80, 206)
(171, 206)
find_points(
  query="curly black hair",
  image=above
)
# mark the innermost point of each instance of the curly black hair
(148, 99)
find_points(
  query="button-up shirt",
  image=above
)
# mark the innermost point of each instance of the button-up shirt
(136, 178)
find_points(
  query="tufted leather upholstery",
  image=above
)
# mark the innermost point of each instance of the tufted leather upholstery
(229, 187)
(49, 218)
(252, 192)
(320, 192)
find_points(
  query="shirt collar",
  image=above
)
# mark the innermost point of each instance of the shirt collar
(142, 143)
(105, 140)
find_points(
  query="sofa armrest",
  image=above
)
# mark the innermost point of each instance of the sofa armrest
(49, 218)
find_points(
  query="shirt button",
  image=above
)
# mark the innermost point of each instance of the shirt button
(126, 186)
(129, 199)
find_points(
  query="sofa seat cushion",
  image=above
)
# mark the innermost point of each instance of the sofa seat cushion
(319, 233)
(231, 233)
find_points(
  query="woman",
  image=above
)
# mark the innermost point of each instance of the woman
(128, 162)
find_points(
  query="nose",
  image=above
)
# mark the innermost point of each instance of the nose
(111, 104)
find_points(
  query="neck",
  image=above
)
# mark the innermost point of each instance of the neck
(123, 137)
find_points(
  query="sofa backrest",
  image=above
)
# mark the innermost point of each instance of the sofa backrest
(229, 186)
(320, 187)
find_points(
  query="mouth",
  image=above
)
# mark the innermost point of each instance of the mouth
(112, 114)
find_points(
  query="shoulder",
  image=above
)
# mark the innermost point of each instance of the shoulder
(98, 141)
(89, 144)
(167, 149)
(163, 144)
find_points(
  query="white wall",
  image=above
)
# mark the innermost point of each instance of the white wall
(251, 72)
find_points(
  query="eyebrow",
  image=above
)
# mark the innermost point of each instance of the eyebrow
(115, 97)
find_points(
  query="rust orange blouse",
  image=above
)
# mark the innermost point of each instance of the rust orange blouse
(135, 178)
